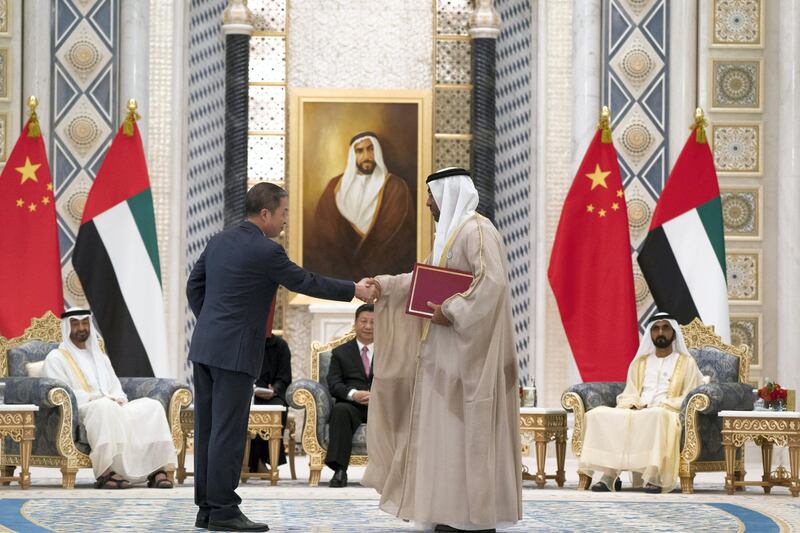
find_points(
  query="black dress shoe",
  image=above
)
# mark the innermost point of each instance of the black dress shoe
(240, 523)
(339, 479)
(201, 521)
(600, 486)
(652, 489)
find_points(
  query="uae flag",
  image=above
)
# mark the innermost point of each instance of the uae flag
(30, 272)
(683, 256)
(591, 271)
(116, 259)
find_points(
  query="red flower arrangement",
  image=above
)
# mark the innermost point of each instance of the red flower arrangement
(772, 392)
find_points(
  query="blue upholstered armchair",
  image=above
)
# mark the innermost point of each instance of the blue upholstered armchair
(313, 396)
(727, 368)
(60, 438)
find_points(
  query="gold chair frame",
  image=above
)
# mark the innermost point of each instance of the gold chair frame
(312, 447)
(697, 335)
(47, 328)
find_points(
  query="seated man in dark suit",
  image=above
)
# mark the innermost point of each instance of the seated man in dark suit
(276, 375)
(349, 380)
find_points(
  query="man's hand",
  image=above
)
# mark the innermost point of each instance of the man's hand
(361, 396)
(264, 394)
(365, 291)
(438, 317)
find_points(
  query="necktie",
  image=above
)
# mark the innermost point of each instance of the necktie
(365, 359)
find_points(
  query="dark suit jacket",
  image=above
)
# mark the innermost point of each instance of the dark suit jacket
(277, 367)
(347, 371)
(230, 291)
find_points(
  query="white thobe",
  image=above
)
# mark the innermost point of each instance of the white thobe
(133, 439)
(645, 440)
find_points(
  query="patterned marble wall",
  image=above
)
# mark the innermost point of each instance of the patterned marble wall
(10, 75)
(635, 87)
(734, 68)
(84, 107)
(514, 119)
(206, 131)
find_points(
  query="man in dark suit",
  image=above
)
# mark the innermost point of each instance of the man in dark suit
(276, 375)
(230, 290)
(349, 380)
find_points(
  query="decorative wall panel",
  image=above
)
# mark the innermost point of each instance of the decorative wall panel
(737, 148)
(736, 85)
(744, 276)
(635, 87)
(746, 329)
(85, 53)
(738, 23)
(206, 131)
(514, 121)
(742, 213)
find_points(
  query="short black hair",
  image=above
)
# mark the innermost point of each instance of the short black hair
(263, 195)
(364, 308)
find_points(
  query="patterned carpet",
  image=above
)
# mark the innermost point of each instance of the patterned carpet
(616, 513)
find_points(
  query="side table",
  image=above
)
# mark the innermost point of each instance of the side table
(765, 428)
(16, 422)
(541, 425)
(265, 422)
(187, 425)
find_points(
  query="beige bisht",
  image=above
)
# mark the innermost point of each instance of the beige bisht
(443, 431)
(644, 440)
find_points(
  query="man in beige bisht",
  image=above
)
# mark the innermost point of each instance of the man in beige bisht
(129, 441)
(443, 430)
(642, 433)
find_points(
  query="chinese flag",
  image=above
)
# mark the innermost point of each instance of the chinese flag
(591, 271)
(30, 272)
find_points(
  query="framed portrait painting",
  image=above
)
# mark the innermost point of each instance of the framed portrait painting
(357, 167)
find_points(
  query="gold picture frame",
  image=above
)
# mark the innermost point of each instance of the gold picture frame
(321, 123)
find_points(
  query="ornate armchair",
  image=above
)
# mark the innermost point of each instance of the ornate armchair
(701, 445)
(60, 437)
(313, 396)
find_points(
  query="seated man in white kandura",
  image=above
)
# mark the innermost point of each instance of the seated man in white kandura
(129, 441)
(642, 434)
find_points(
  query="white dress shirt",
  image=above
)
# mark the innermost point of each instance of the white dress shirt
(657, 375)
(369, 356)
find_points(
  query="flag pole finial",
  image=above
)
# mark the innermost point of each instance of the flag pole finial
(699, 126)
(605, 125)
(131, 118)
(33, 124)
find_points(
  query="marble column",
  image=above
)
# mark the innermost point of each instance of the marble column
(134, 37)
(683, 74)
(788, 177)
(484, 27)
(237, 28)
(37, 58)
(587, 54)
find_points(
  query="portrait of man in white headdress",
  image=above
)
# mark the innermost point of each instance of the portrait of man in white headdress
(365, 220)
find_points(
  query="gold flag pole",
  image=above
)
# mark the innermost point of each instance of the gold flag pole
(33, 124)
(130, 119)
(605, 125)
(699, 126)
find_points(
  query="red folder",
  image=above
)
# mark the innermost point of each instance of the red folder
(434, 284)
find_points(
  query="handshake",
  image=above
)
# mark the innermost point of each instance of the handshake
(368, 290)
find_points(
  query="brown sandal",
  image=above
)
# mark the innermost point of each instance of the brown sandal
(163, 483)
(109, 482)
